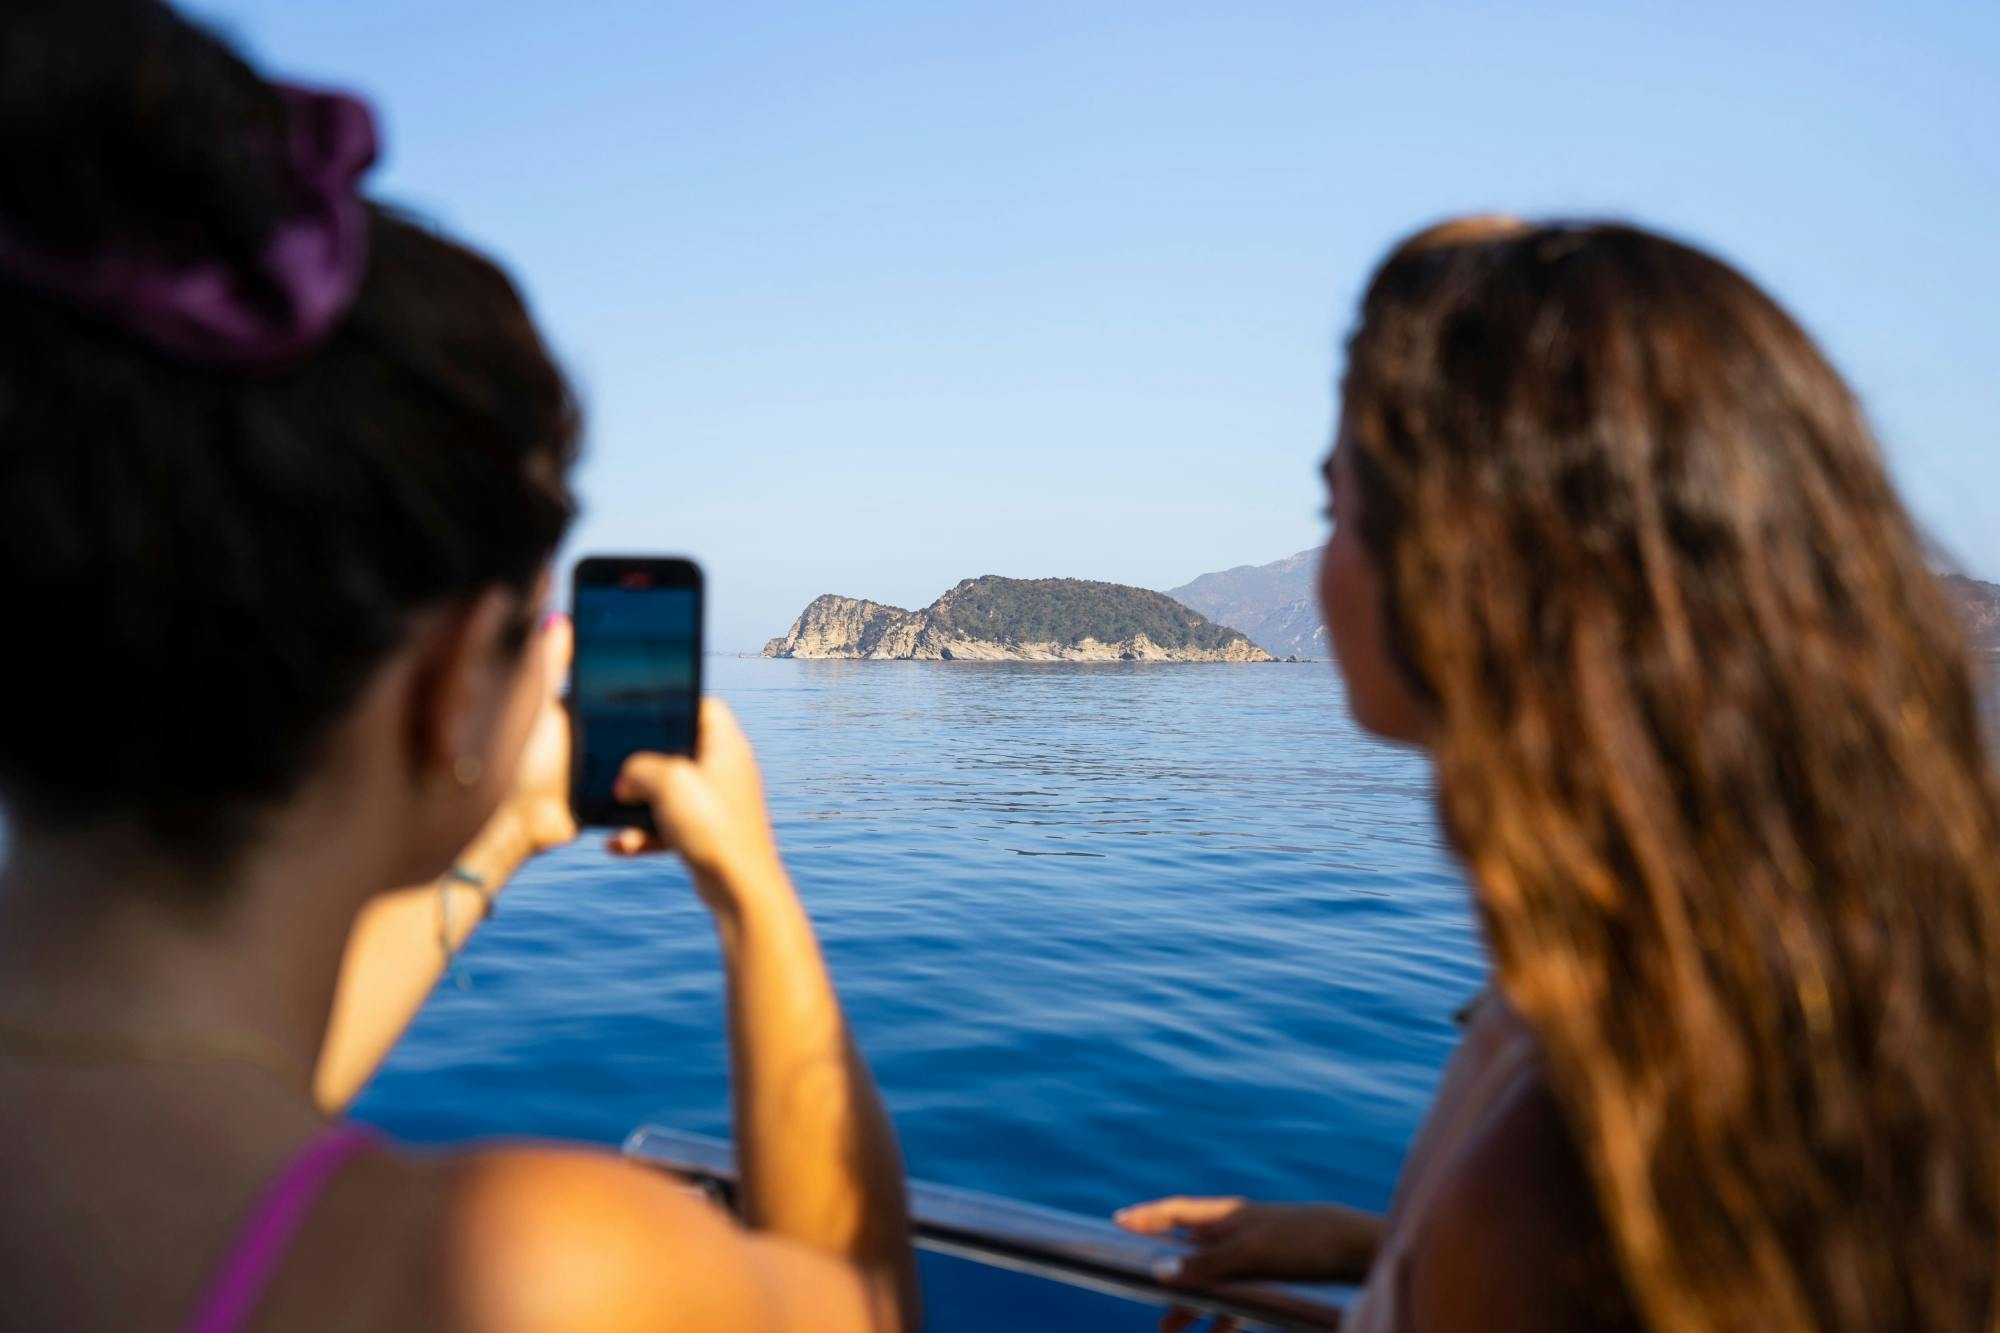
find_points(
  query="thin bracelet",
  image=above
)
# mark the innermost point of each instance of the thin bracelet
(472, 879)
(478, 883)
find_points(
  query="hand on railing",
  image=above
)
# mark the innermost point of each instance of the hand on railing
(1235, 1238)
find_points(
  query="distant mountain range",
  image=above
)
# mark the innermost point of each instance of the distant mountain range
(1278, 607)
(1274, 604)
(1021, 620)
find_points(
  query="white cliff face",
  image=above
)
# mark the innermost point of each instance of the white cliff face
(1136, 649)
(837, 627)
(847, 628)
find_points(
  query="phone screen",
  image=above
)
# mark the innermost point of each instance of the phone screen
(635, 682)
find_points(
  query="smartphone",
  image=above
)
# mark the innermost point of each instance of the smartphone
(635, 682)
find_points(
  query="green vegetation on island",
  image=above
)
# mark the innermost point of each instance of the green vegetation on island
(1025, 620)
(1068, 611)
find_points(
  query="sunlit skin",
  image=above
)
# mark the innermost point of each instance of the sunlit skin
(1351, 598)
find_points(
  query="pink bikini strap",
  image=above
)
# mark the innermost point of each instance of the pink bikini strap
(260, 1245)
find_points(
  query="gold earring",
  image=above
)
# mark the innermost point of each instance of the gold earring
(466, 770)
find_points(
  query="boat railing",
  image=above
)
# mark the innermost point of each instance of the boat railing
(1026, 1238)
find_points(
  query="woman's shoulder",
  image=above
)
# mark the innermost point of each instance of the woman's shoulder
(526, 1224)
(541, 1236)
(481, 1240)
(1513, 1238)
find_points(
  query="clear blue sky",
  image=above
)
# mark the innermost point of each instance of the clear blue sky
(867, 298)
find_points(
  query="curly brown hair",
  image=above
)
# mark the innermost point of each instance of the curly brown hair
(1707, 737)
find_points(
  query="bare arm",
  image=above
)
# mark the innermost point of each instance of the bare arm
(396, 952)
(395, 956)
(819, 1160)
(544, 1239)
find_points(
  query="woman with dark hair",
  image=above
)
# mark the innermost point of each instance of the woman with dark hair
(1614, 547)
(281, 474)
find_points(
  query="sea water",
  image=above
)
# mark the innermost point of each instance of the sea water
(1104, 932)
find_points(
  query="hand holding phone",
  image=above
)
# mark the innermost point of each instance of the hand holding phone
(710, 810)
(635, 681)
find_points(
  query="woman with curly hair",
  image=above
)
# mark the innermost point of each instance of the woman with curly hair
(1614, 547)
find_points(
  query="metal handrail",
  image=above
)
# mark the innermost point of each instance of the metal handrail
(1069, 1248)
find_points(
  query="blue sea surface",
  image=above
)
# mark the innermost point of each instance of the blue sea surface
(1103, 932)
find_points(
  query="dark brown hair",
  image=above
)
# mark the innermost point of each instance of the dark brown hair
(205, 568)
(1707, 738)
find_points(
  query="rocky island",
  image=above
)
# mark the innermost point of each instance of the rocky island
(994, 619)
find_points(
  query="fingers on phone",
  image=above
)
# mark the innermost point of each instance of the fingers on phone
(633, 842)
(642, 778)
(718, 721)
